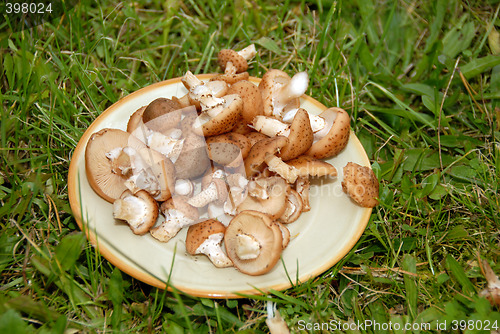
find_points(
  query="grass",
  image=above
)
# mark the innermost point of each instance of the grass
(421, 81)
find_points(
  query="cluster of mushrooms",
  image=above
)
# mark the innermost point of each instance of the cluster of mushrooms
(230, 161)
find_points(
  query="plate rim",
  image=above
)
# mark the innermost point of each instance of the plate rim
(148, 278)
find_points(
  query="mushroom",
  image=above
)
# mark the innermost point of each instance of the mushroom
(178, 214)
(238, 59)
(219, 118)
(361, 184)
(299, 133)
(216, 192)
(136, 127)
(334, 137)
(293, 207)
(254, 162)
(183, 187)
(253, 242)
(206, 238)
(277, 165)
(302, 186)
(492, 290)
(274, 320)
(309, 166)
(150, 171)
(202, 95)
(193, 160)
(106, 170)
(273, 202)
(139, 210)
(162, 114)
(228, 149)
(254, 137)
(280, 93)
(252, 99)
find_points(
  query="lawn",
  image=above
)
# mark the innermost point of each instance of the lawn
(420, 80)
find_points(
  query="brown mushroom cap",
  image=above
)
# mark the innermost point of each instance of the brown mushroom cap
(275, 204)
(228, 149)
(162, 114)
(102, 173)
(263, 230)
(309, 166)
(361, 184)
(135, 125)
(254, 137)
(228, 55)
(271, 82)
(254, 163)
(224, 121)
(300, 138)
(140, 210)
(331, 140)
(193, 160)
(200, 232)
(252, 99)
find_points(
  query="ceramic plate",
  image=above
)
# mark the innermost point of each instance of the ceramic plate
(320, 237)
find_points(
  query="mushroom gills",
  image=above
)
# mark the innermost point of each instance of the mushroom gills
(132, 209)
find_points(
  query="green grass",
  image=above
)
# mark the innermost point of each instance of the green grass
(421, 84)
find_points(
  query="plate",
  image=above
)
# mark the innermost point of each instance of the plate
(320, 237)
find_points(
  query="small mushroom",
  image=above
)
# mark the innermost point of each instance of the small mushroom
(193, 160)
(215, 192)
(254, 162)
(308, 166)
(203, 95)
(139, 210)
(106, 170)
(219, 118)
(333, 138)
(293, 207)
(299, 133)
(162, 114)
(302, 186)
(277, 165)
(273, 203)
(206, 238)
(253, 242)
(238, 59)
(492, 291)
(274, 320)
(178, 214)
(280, 93)
(252, 99)
(361, 184)
(228, 149)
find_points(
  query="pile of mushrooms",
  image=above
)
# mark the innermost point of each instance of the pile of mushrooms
(230, 161)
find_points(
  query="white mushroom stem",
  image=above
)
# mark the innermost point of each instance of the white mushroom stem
(295, 88)
(191, 80)
(207, 195)
(274, 320)
(249, 52)
(143, 179)
(271, 126)
(247, 247)
(317, 122)
(183, 187)
(211, 247)
(175, 220)
(131, 209)
(275, 164)
(230, 68)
